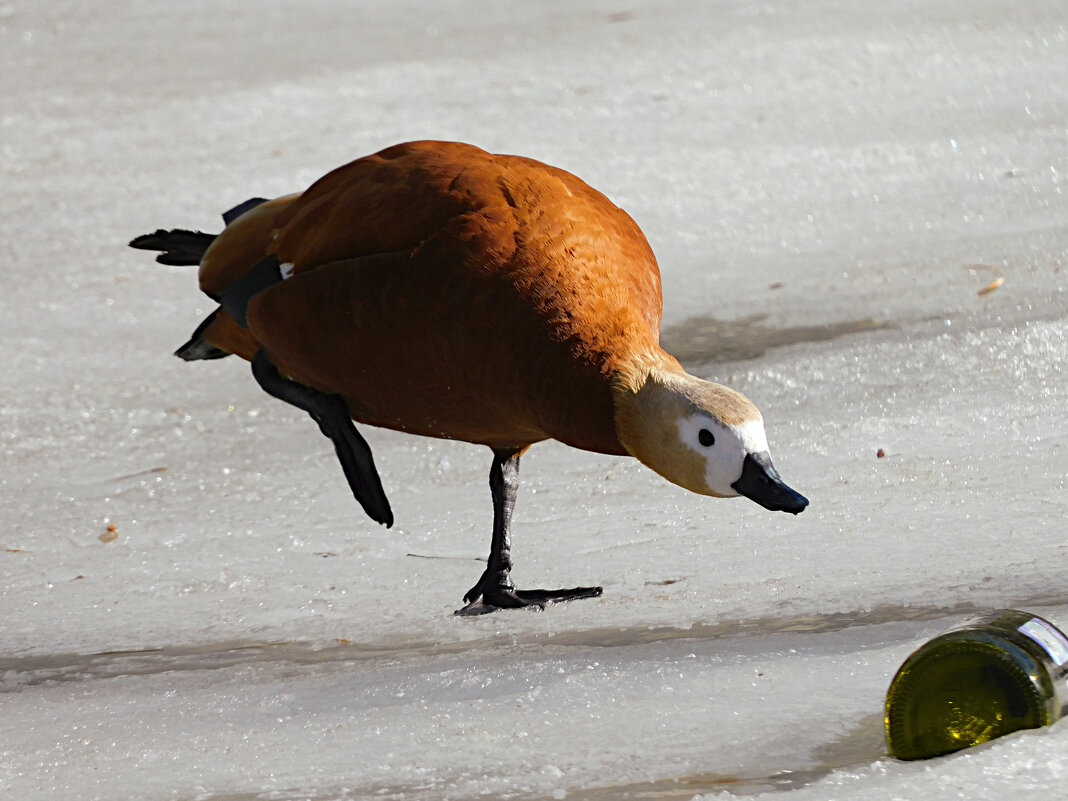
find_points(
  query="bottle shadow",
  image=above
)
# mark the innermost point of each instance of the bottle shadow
(859, 746)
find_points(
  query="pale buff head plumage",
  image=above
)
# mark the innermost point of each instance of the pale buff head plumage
(702, 436)
(692, 432)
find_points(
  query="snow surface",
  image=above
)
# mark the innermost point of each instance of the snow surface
(827, 184)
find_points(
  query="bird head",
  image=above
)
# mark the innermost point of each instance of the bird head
(703, 436)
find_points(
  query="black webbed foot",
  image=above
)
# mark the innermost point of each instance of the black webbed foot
(491, 594)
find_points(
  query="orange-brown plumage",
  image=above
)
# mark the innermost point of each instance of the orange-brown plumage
(446, 291)
(441, 290)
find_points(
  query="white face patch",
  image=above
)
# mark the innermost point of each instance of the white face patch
(753, 436)
(723, 448)
(286, 270)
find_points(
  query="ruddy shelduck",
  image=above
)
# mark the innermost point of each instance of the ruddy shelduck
(441, 290)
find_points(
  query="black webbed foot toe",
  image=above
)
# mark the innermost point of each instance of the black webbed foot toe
(556, 596)
(484, 598)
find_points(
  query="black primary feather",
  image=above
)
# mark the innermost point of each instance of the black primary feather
(178, 247)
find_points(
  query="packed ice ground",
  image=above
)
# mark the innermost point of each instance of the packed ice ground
(827, 185)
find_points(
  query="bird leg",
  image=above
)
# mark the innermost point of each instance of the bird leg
(495, 587)
(331, 412)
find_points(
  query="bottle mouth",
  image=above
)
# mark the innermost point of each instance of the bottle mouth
(962, 694)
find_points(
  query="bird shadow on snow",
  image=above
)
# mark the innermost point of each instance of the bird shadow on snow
(704, 339)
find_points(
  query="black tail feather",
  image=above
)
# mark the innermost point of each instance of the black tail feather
(196, 348)
(241, 208)
(187, 248)
(178, 247)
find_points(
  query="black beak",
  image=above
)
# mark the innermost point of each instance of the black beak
(760, 482)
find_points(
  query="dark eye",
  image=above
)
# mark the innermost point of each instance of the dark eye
(704, 436)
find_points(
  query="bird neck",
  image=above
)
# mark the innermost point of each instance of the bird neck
(650, 398)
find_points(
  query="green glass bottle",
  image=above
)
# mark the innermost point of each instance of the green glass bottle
(1001, 673)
